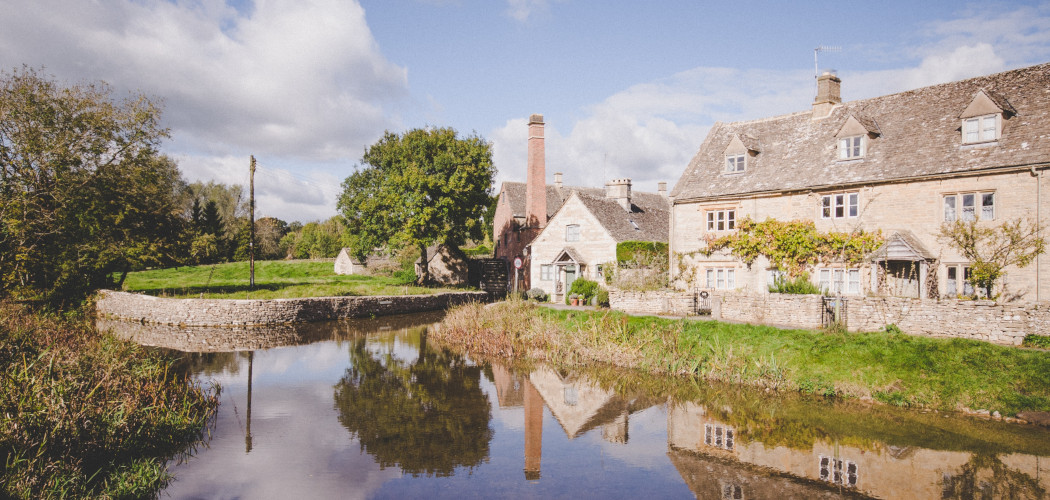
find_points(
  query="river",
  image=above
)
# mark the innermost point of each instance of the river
(370, 409)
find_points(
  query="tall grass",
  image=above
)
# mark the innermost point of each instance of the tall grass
(892, 368)
(273, 279)
(84, 414)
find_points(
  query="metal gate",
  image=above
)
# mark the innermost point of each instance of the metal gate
(834, 311)
(701, 302)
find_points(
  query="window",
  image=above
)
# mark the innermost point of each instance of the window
(840, 205)
(732, 491)
(969, 206)
(721, 220)
(839, 281)
(735, 163)
(546, 272)
(572, 232)
(718, 436)
(721, 278)
(958, 279)
(838, 471)
(774, 276)
(980, 129)
(851, 148)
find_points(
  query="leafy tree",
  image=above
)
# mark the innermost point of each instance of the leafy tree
(268, 234)
(427, 416)
(424, 187)
(992, 248)
(83, 190)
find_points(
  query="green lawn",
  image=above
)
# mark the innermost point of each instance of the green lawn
(273, 279)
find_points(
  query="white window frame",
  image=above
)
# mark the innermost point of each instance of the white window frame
(774, 275)
(978, 129)
(721, 220)
(956, 278)
(547, 272)
(721, 278)
(839, 280)
(840, 205)
(572, 232)
(852, 148)
(969, 206)
(719, 436)
(736, 163)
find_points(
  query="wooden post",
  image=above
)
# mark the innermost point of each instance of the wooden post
(251, 230)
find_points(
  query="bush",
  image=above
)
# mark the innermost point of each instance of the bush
(537, 294)
(1033, 340)
(640, 251)
(798, 285)
(584, 289)
(603, 298)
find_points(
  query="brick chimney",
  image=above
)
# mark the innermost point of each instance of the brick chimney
(536, 177)
(828, 95)
(619, 190)
(661, 188)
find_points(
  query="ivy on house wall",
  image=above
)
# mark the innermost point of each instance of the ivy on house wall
(793, 246)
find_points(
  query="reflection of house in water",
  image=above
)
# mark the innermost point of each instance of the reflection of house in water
(716, 462)
(578, 405)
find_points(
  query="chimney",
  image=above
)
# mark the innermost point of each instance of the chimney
(557, 180)
(828, 95)
(536, 177)
(619, 190)
(661, 188)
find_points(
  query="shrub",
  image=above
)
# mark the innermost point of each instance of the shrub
(603, 298)
(1040, 341)
(584, 288)
(537, 294)
(640, 251)
(797, 285)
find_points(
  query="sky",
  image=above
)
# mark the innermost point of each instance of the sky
(627, 88)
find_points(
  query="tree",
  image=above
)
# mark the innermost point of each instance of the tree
(990, 249)
(83, 190)
(424, 187)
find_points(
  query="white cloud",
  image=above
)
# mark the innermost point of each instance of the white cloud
(522, 10)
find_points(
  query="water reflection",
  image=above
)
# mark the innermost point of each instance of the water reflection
(426, 416)
(374, 410)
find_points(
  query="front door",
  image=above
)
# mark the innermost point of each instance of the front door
(570, 276)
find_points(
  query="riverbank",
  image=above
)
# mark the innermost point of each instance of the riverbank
(892, 368)
(86, 415)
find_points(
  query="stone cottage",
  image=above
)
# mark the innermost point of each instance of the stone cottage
(904, 164)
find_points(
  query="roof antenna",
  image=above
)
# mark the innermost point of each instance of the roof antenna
(816, 68)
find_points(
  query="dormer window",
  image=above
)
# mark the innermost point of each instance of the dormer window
(851, 148)
(983, 118)
(980, 129)
(735, 163)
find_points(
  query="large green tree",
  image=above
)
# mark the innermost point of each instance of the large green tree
(84, 192)
(423, 187)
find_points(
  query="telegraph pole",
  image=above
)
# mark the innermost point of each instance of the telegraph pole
(251, 229)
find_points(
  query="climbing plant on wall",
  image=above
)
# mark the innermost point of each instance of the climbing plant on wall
(793, 246)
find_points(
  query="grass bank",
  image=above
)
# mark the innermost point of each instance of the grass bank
(86, 415)
(898, 369)
(273, 279)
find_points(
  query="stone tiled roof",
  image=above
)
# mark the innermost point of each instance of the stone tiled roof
(919, 134)
(556, 196)
(648, 219)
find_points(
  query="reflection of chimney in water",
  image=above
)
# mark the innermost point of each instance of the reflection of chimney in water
(533, 431)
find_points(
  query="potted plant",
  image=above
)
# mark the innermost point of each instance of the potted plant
(574, 299)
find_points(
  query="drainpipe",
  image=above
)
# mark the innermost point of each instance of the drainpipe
(1038, 224)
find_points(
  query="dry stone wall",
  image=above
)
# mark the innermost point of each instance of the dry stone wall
(981, 319)
(229, 312)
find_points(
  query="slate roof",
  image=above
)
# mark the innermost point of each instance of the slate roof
(648, 220)
(556, 196)
(918, 134)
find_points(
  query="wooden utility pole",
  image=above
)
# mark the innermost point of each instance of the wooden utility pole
(251, 229)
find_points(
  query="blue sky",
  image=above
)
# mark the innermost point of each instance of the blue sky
(628, 89)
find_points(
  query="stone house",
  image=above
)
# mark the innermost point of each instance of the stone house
(582, 235)
(524, 209)
(903, 164)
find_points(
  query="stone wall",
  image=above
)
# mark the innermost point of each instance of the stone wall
(980, 319)
(229, 312)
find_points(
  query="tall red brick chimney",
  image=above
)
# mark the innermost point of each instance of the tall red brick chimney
(536, 177)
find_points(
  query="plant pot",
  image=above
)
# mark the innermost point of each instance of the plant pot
(575, 302)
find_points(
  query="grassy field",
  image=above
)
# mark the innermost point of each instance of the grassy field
(86, 415)
(898, 369)
(273, 279)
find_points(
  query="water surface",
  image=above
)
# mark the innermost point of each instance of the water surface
(371, 409)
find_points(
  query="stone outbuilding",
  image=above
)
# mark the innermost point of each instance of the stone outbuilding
(447, 265)
(346, 263)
